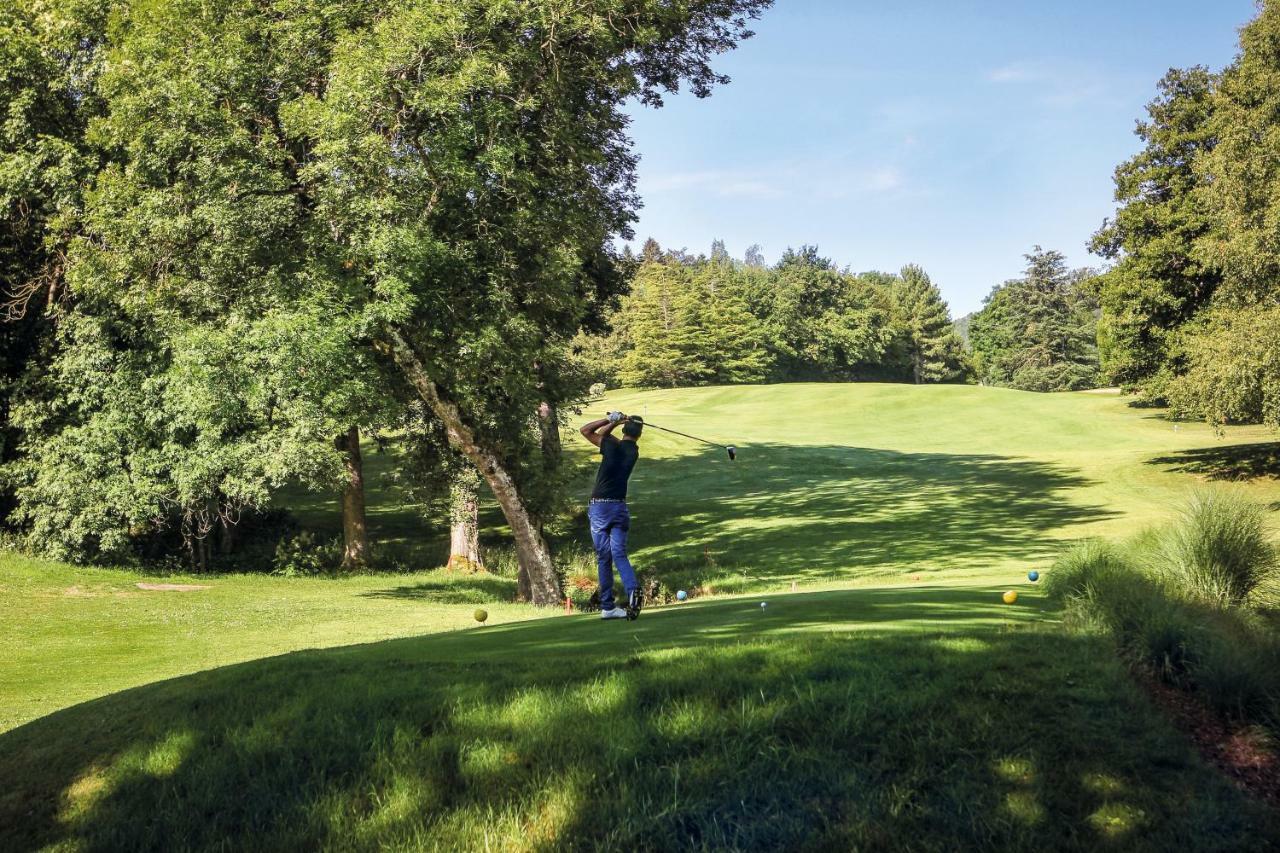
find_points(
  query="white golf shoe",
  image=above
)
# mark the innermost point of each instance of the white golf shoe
(615, 613)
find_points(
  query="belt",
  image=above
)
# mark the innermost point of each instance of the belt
(608, 500)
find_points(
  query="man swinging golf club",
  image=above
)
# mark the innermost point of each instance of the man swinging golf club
(607, 511)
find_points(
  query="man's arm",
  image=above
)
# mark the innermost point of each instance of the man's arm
(595, 431)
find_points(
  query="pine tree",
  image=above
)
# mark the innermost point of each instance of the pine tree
(926, 326)
(1036, 333)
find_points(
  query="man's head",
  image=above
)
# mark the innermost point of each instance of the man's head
(633, 427)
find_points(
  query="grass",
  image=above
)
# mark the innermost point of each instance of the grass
(889, 719)
(892, 703)
(880, 482)
(1191, 601)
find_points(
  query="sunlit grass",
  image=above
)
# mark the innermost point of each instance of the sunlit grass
(885, 699)
(763, 739)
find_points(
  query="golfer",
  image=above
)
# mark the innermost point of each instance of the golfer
(610, 519)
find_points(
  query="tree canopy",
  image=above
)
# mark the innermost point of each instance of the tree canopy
(424, 189)
(1037, 333)
(694, 320)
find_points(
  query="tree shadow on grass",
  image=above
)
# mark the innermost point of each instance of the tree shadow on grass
(464, 589)
(1233, 462)
(813, 512)
(994, 739)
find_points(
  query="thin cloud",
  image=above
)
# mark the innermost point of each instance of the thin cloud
(1011, 74)
(884, 180)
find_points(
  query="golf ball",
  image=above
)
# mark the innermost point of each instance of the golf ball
(1033, 576)
(681, 595)
(481, 615)
(1010, 597)
(763, 605)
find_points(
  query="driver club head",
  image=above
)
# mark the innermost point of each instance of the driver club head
(733, 452)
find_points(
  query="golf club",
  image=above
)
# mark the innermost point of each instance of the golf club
(733, 451)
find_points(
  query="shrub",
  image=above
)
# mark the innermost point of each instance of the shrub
(302, 555)
(1080, 570)
(1219, 550)
(1172, 616)
(501, 561)
(1237, 675)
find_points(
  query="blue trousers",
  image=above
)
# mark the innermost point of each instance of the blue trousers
(609, 525)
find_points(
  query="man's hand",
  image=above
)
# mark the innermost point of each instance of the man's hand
(604, 426)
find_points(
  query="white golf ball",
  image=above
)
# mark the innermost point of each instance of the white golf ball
(763, 605)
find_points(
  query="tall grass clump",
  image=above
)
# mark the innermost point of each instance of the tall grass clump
(1101, 587)
(1179, 603)
(1219, 550)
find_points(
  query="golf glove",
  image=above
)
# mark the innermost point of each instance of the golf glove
(614, 417)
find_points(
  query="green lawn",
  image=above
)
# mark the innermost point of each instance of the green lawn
(878, 482)
(892, 703)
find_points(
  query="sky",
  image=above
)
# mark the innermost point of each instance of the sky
(955, 134)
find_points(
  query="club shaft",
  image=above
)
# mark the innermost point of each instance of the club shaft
(686, 435)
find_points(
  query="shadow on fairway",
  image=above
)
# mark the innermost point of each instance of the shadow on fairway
(466, 589)
(1234, 462)
(885, 610)
(804, 513)
(1015, 738)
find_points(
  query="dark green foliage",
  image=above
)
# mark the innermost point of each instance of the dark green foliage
(1158, 282)
(1220, 550)
(695, 321)
(1233, 351)
(1191, 309)
(1232, 367)
(928, 338)
(1176, 601)
(1037, 333)
(688, 324)
(270, 194)
(50, 57)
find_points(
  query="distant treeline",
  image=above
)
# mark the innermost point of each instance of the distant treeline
(705, 320)
(698, 320)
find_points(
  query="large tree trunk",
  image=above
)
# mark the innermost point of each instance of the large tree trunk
(355, 532)
(464, 520)
(531, 548)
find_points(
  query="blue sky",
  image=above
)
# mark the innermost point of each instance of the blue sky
(951, 133)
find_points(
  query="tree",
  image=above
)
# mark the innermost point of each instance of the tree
(1233, 369)
(688, 324)
(49, 59)
(447, 202)
(719, 254)
(821, 323)
(1158, 282)
(929, 336)
(355, 530)
(1037, 333)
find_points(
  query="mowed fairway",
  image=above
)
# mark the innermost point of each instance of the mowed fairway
(891, 703)
(842, 482)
